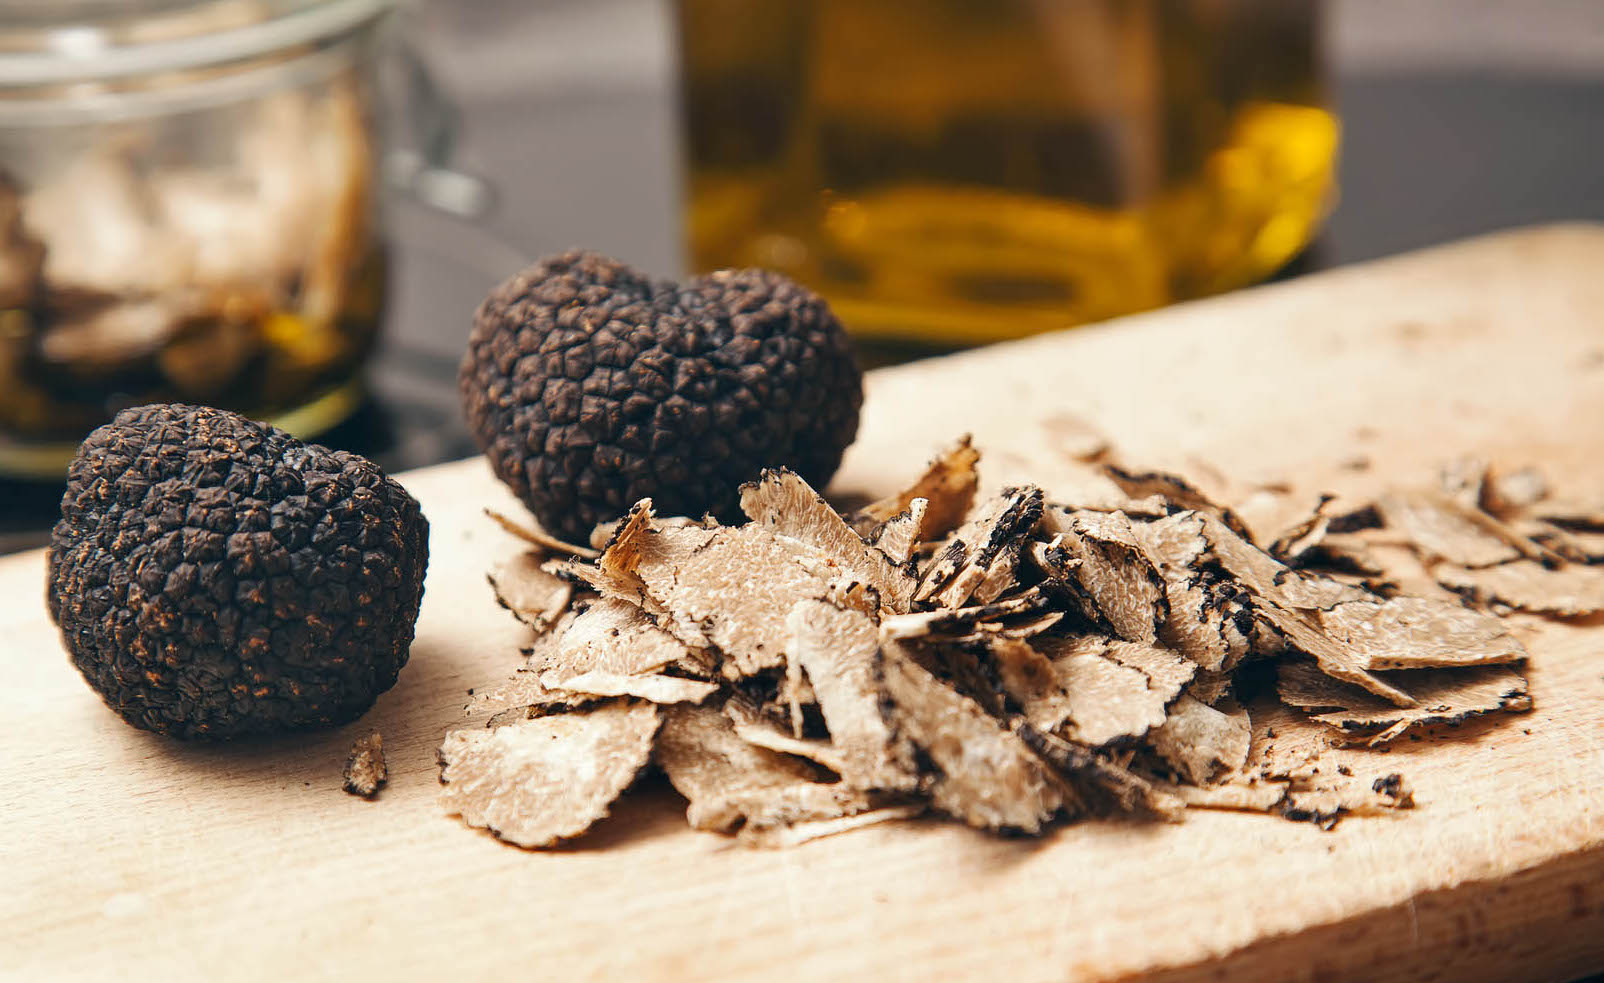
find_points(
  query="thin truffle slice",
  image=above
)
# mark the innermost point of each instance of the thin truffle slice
(614, 573)
(534, 596)
(720, 587)
(1505, 494)
(1336, 659)
(898, 536)
(980, 772)
(962, 564)
(539, 538)
(1096, 783)
(1119, 585)
(650, 687)
(1570, 591)
(1322, 803)
(839, 649)
(947, 486)
(1419, 632)
(1441, 529)
(782, 503)
(1179, 492)
(1209, 619)
(1573, 545)
(1101, 689)
(731, 783)
(548, 779)
(365, 770)
(1204, 744)
(795, 834)
(1001, 575)
(953, 624)
(1571, 514)
(756, 728)
(1209, 687)
(1269, 578)
(1442, 696)
(735, 592)
(608, 636)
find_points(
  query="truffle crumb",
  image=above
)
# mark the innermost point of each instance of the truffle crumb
(365, 771)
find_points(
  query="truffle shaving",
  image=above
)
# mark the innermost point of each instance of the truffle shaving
(1419, 632)
(961, 623)
(1440, 529)
(1204, 744)
(1442, 696)
(780, 837)
(1180, 493)
(548, 779)
(731, 589)
(760, 732)
(1096, 783)
(1322, 804)
(898, 536)
(539, 538)
(839, 650)
(652, 688)
(1119, 585)
(1012, 661)
(947, 486)
(1335, 659)
(534, 596)
(1107, 690)
(980, 772)
(961, 566)
(731, 783)
(609, 636)
(1267, 577)
(1570, 591)
(782, 503)
(1506, 494)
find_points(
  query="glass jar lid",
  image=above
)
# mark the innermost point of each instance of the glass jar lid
(101, 40)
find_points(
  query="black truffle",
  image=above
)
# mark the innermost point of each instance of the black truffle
(590, 387)
(215, 578)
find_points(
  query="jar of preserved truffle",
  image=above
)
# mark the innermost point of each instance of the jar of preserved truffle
(187, 212)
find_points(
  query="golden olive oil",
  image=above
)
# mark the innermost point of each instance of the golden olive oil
(957, 171)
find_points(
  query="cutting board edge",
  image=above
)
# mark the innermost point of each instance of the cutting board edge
(1505, 925)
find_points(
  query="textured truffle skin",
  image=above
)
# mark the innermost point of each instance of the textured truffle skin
(216, 578)
(591, 387)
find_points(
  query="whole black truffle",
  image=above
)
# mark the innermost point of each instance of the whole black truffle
(215, 578)
(590, 386)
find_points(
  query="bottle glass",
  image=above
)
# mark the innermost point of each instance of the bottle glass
(960, 171)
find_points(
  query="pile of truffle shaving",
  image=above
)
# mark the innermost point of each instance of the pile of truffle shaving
(1009, 663)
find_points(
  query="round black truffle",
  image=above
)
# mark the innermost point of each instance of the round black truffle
(216, 578)
(590, 387)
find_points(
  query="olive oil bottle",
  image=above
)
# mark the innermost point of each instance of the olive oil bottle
(958, 171)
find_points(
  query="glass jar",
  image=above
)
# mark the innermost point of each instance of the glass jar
(187, 212)
(958, 171)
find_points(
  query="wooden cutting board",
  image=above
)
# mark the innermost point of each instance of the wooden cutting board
(129, 856)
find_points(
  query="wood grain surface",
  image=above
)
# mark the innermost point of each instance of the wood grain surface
(124, 855)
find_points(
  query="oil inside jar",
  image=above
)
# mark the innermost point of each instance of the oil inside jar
(955, 171)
